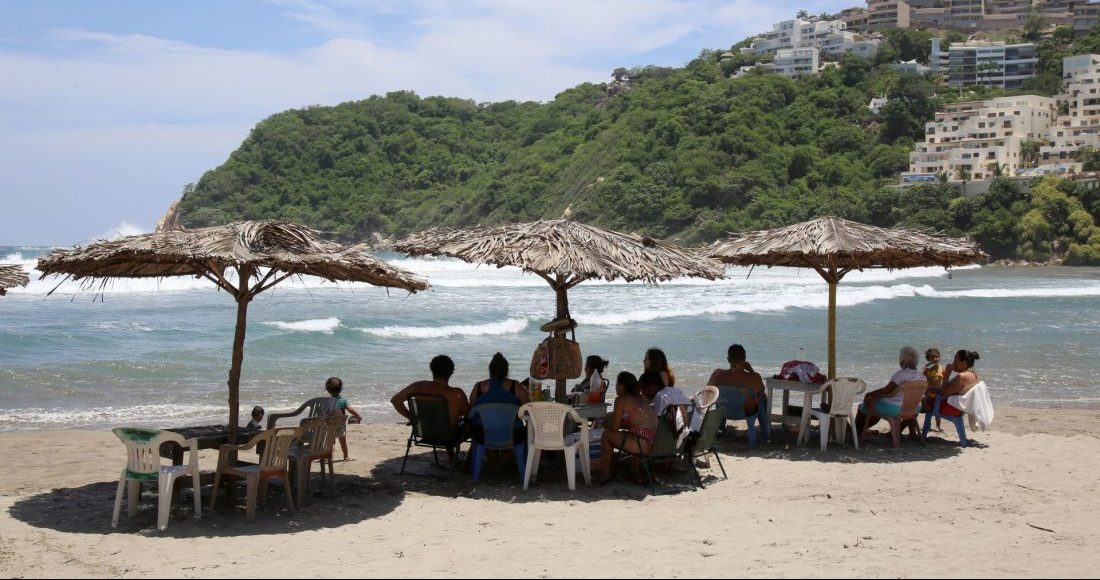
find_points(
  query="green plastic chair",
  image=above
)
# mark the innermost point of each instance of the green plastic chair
(668, 447)
(431, 427)
(707, 442)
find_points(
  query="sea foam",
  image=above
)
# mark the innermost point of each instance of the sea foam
(509, 326)
(325, 325)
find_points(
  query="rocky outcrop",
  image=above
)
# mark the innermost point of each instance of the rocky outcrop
(171, 219)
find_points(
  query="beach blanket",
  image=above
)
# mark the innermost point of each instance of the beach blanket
(800, 370)
(976, 404)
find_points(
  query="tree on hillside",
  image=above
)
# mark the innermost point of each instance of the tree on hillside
(1034, 27)
(1088, 157)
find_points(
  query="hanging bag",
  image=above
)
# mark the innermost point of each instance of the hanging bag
(564, 357)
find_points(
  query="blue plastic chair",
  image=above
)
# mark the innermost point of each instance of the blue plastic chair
(959, 422)
(731, 400)
(498, 421)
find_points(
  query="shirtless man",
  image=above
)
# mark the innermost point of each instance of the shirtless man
(740, 374)
(442, 368)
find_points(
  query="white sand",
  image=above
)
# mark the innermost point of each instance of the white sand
(937, 510)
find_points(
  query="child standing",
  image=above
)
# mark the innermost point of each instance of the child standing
(933, 371)
(335, 386)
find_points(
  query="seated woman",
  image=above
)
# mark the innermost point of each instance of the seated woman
(887, 400)
(594, 368)
(633, 424)
(498, 388)
(965, 379)
(656, 361)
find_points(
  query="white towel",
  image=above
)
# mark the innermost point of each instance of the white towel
(976, 404)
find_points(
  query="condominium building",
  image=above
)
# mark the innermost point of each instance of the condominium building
(1086, 15)
(973, 14)
(1078, 123)
(828, 36)
(980, 139)
(992, 64)
(796, 62)
(853, 18)
(887, 14)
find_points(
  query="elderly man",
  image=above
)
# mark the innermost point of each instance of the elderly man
(887, 400)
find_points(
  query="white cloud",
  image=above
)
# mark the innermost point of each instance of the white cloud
(112, 125)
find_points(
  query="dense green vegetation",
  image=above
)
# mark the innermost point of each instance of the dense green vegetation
(686, 153)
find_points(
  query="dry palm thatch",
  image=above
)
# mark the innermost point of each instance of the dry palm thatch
(564, 253)
(566, 250)
(831, 244)
(262, 253)
(834, 247)
(11, 275)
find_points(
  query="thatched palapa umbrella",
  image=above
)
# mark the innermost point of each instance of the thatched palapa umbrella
(833, 247)
(12, 275)
(564, 253)
(262, 253)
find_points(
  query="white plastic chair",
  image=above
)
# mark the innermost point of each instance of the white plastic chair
(143, 464)
(545, 425)
(845, 390)
(702, 401)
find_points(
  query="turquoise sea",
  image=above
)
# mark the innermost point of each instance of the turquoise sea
(157, 352)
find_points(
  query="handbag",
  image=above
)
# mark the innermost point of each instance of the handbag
(540, 362)
(557, 357)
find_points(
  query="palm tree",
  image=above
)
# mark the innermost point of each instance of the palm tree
(1029, 151)
(963, 173)
(802, 15)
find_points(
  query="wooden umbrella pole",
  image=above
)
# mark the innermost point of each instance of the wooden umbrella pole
(832, 328)
(562, 291)
(243, 298)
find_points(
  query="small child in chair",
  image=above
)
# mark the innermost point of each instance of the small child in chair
(335, 386)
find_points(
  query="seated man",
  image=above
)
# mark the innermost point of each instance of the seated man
(887, 401)
(442, 368)
(740, 374)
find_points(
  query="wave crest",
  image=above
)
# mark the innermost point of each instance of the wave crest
(510, 326)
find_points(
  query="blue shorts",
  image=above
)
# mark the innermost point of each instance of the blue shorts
(883, 408)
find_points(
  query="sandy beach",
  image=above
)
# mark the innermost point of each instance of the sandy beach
(1020, 502)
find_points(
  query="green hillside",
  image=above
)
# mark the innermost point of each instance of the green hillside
(686, 153)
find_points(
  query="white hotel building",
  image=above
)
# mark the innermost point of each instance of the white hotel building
(1080, 126)
(828, 36)
(976, 138)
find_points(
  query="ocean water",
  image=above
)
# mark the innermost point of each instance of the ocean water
(157, 352)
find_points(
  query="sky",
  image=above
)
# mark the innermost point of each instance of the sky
(109, 108)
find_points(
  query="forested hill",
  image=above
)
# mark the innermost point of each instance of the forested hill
(686, 153)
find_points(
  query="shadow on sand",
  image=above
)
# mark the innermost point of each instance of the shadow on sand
(87, 510)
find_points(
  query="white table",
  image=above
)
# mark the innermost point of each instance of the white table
(808, 391)
(592, 411)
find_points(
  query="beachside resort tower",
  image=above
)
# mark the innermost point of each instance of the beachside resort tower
(979, 140)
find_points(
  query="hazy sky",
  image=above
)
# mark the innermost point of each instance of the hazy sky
(108, 108)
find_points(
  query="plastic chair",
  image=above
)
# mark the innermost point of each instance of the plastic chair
(668, 447)
(317, 440)
(498, 422)
(910, 407)
(702, 401)
(958, 421)
(143, 464)
(316, 407)
(274, 461)
(707, 442)
(732, 400)
(431, 427)
(844, 392)
(545, 425)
